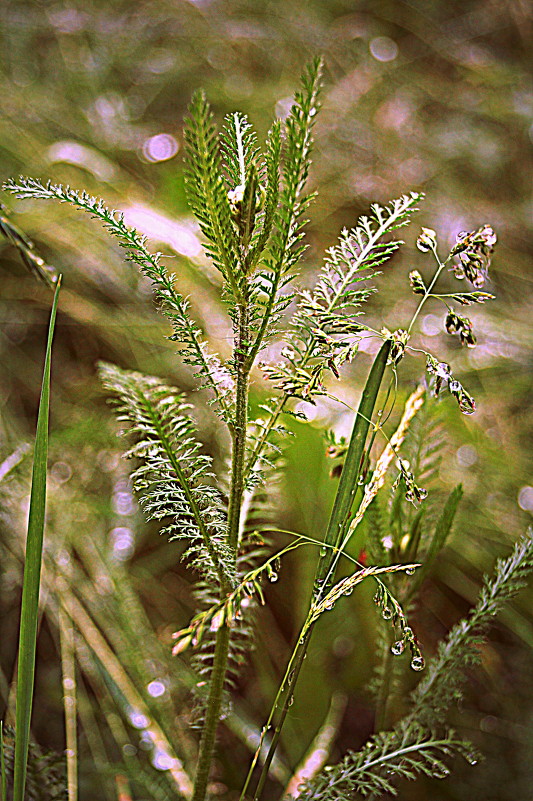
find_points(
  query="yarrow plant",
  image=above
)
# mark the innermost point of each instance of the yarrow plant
(252, 206)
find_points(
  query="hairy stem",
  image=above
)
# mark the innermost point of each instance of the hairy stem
(220, 658)
(239, 428)
(207, 742)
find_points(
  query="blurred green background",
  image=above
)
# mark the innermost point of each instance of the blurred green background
(423, 95)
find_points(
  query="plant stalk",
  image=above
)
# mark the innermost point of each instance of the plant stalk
(339, 518)
(214, 704)
(222, 643)
(239, 428)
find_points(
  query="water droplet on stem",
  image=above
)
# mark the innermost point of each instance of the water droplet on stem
(398, 647)
(417, 663)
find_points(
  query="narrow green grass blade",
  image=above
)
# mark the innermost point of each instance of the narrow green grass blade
(349, 479)
(32, 574)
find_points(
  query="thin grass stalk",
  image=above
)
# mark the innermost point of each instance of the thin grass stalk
(112, 666)
(388, 668)
(339, 518)
(32, 573)
(68, 668)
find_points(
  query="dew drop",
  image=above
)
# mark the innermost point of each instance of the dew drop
(377, 599)
(417, 663)
(290, 701)
(410, 571)
(387, 613)
(398, 647)
(323, 551)
(273, 576)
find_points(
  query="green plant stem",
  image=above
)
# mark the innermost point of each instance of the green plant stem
(339, 518)
(296, 663)
(216, 689)
(239, 428)
(427, 293)
(32, 573)
(221, 654)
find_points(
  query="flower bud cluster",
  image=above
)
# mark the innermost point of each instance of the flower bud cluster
(427, 240)
(417, 283)
(455, 324)
(474, 251)
(441, 373)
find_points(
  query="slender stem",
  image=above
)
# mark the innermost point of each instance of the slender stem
(294, 668)
(334, 535)
(68, 669)
(285, 686)
(207, 742)
(222, 643)
(239, 427)
(427, 293)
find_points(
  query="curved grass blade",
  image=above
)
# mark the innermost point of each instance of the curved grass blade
(32, 573)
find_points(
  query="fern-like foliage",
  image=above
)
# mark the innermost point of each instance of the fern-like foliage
(414, 746)
(287, 221)
(444, 680)
(173, 479)
(323, 332)
(271, 183)
(385, 758)
(186, 332)
(324, 329)
(207, 193)
(237, 610)
(46, 778)
(239, 148)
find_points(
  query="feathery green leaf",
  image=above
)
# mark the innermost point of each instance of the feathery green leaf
(185, 332)
(207, 193)
(173, 478)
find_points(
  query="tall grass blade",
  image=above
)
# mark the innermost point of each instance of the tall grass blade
(338, 524)
(32, 573)
(349, 480)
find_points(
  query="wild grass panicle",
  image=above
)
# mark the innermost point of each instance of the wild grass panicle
(251, 204)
